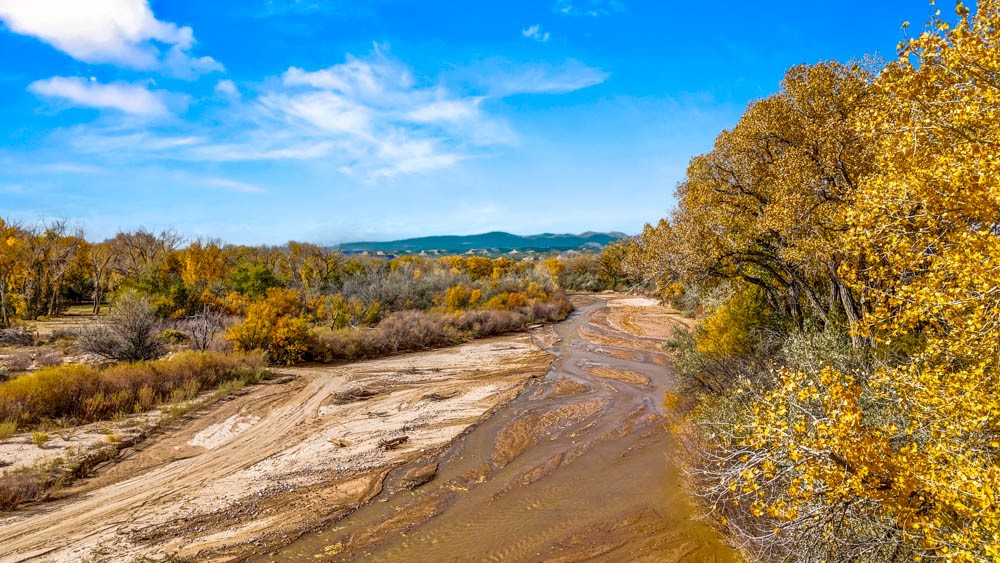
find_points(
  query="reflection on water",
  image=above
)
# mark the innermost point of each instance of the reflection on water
(577, 468)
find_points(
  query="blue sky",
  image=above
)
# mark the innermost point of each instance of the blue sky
(261, 121)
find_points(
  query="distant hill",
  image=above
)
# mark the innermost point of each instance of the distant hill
(501, 241)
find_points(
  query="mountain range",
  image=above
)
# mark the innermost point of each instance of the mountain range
(496, 240)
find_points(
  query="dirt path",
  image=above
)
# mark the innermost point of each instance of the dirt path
(577, 468)
(284, 458)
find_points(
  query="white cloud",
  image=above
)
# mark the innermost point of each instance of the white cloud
(119, 32)
(179, 63)
(542, 78)
(592, 8)
(227, 88)
(377, 79)
(401, 155)
(445, 111)
(326, 111)
(380, 120)
(535, 32)
(371, 117)
(132, 99)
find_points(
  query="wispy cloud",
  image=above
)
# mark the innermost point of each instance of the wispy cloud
(370, 117)
(535, 32)
(259, 148)
(282, 7)
(120, 32)
(591, 8)
(445, 111)
(541, 78)
(226, 184)
(126, 142)
(70, 168)
(132, 99)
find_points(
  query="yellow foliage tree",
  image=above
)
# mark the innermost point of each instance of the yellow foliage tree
(276, 325)
(917, 440)
(764, 206)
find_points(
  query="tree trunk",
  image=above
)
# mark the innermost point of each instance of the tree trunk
(4, 319)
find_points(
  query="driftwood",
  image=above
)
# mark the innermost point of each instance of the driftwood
(353, 396)
(393, 443)
(439, 396)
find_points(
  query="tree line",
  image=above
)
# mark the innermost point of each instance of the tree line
(842, 244)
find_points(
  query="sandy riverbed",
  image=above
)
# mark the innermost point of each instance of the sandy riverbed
(264, 467)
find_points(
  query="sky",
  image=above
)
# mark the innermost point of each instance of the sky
(263, 121)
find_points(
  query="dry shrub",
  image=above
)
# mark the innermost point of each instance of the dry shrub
(491, 322)
(50, 358)
(416, 330)
(129, 334)
(89, 394)
(18, 362)
(62, 334)
(16, 336)
(20, 486)
(202, 329)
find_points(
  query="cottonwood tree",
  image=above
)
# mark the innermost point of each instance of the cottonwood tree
(310, 267)
(141, 253)
(204, 263)
(765, 206)
(50, 254)
(910, 450)
(100, 257)
(13, 249)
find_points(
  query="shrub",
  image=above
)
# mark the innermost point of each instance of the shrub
(457, 297)
(129, 334)
(201, 329)
(47, 359)
(729, 331)
(585, 281)
(416, 330)
(7, 429)
(88, 394)
(274, 326)
(39, 439)
(173, 336)
(16, 336)
(18, 362)
(290, 341)
(20, 486)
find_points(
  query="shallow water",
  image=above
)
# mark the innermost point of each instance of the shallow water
(579, 467)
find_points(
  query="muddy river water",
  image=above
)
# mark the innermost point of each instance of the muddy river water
(579, 467)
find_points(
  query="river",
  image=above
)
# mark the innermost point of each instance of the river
(580, 467)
